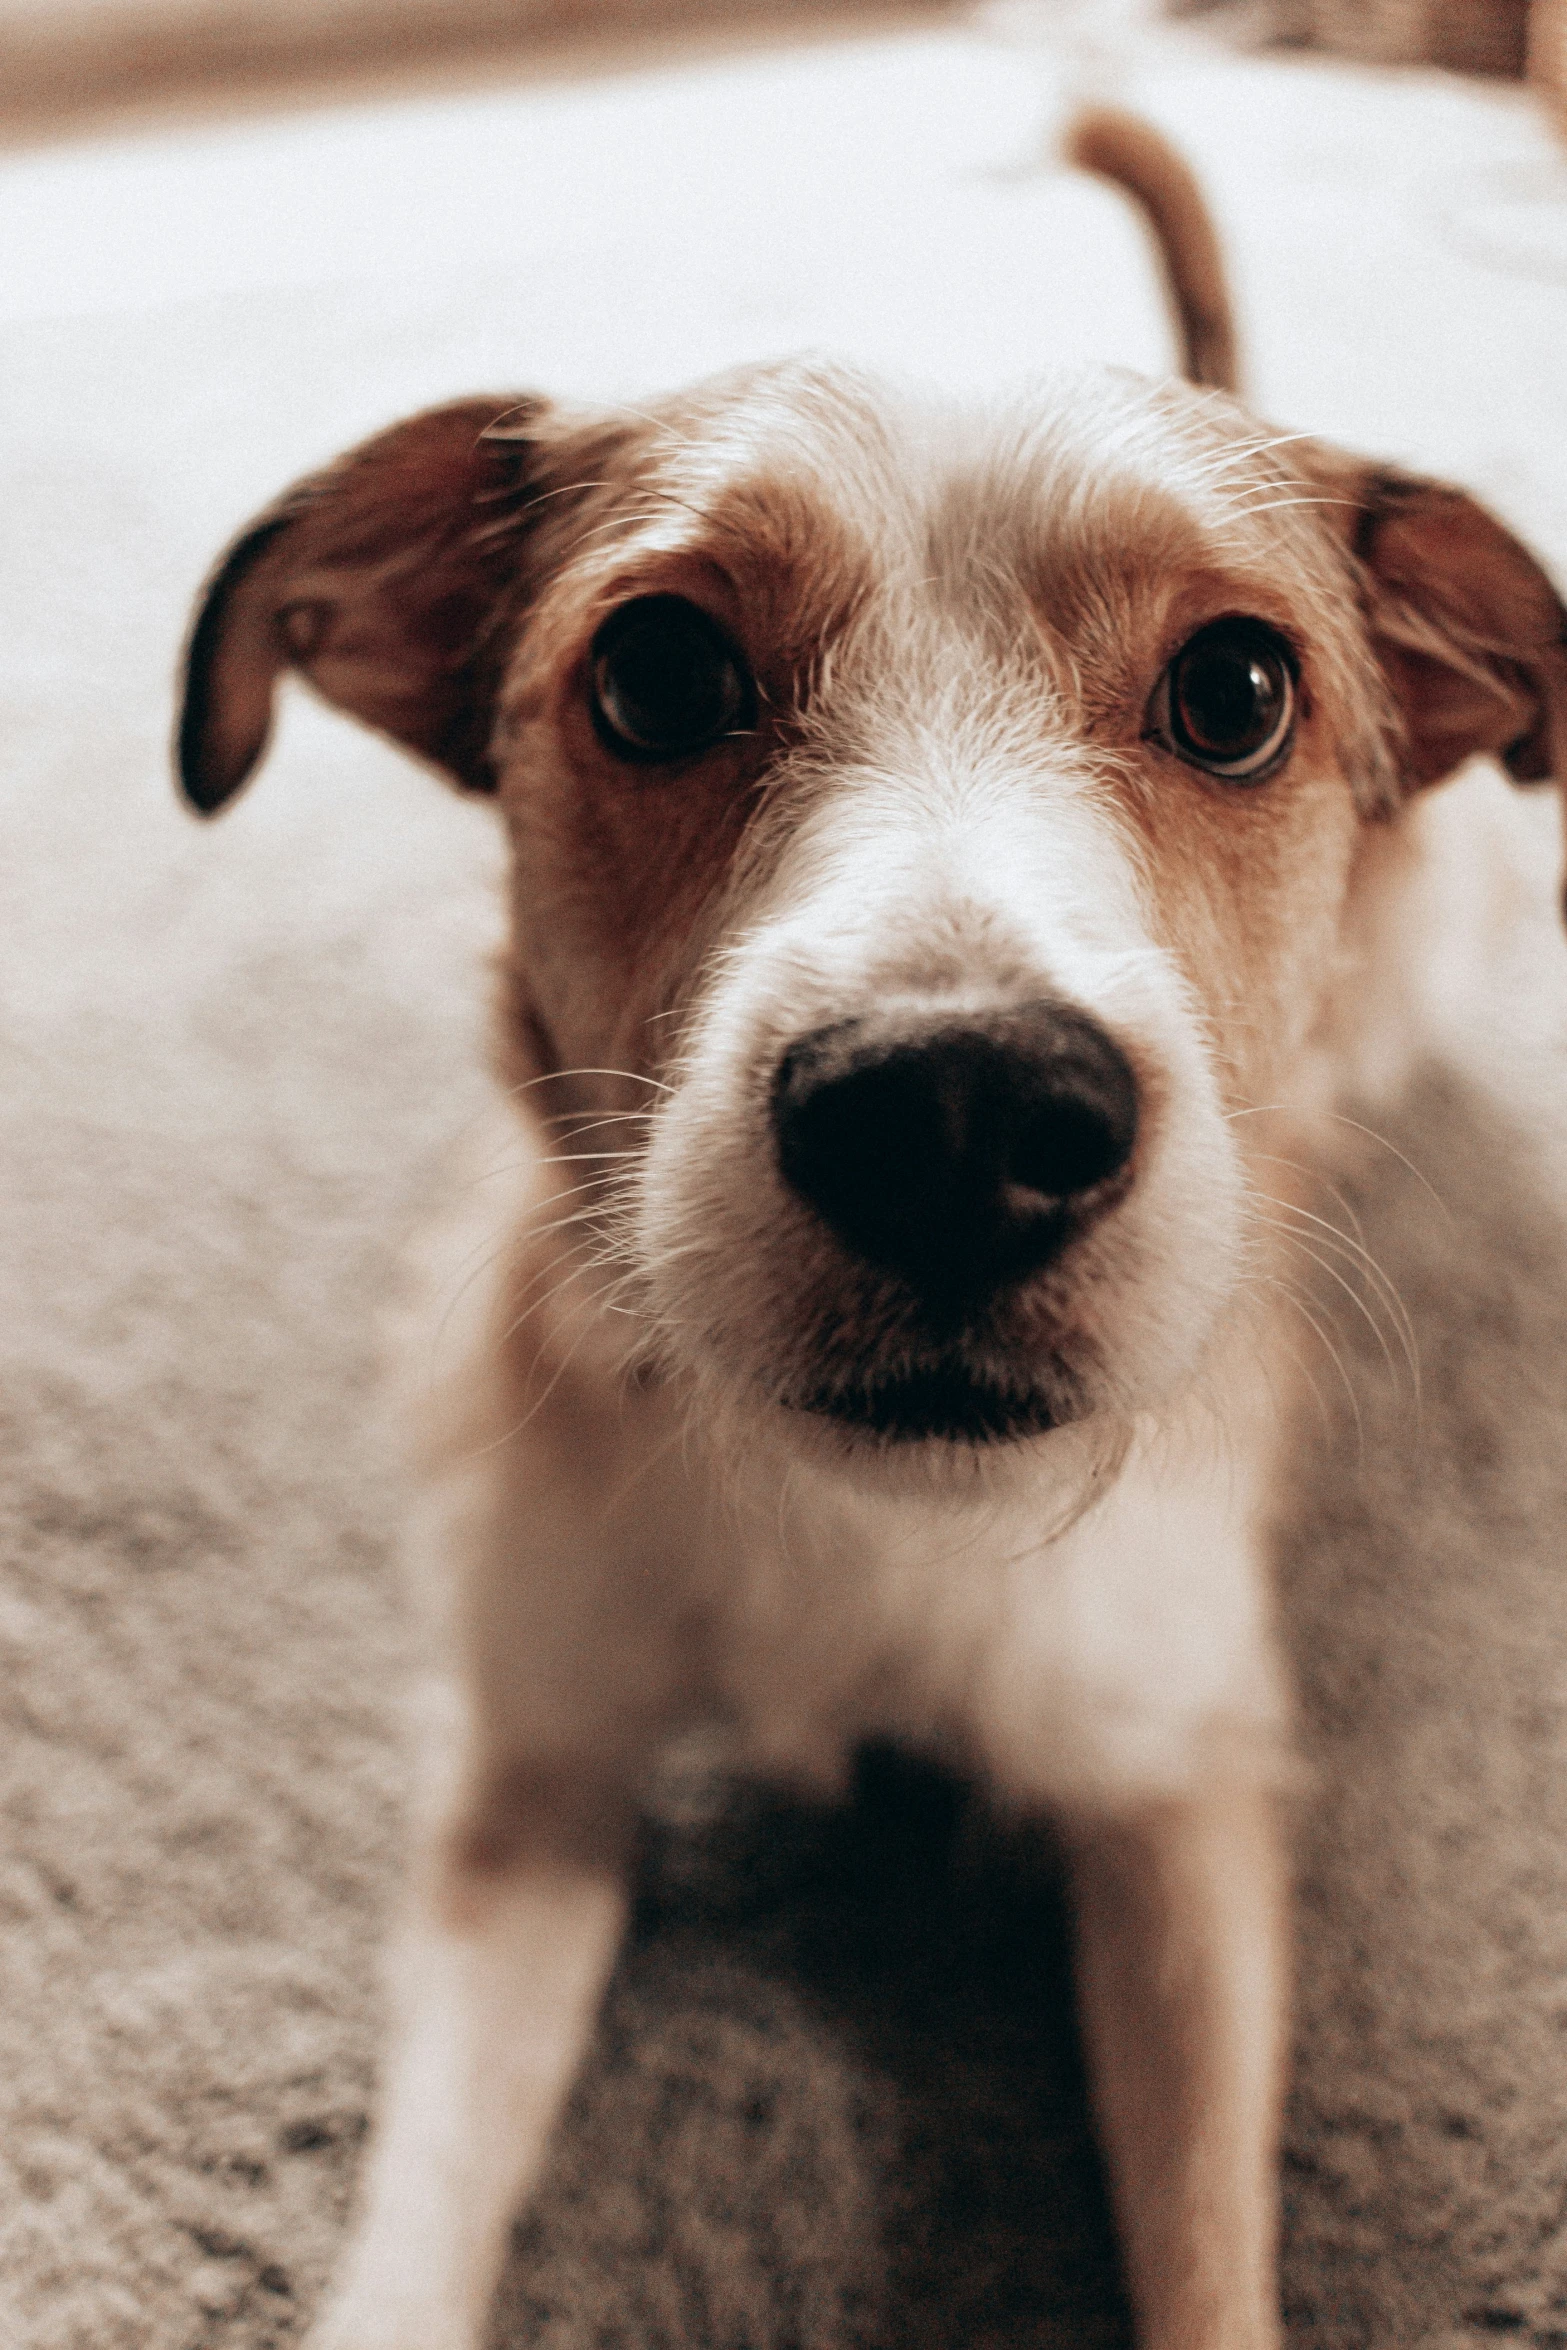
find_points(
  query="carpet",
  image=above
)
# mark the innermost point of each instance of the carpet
(835, 2098)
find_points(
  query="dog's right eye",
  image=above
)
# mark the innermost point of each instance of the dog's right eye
(665, 682)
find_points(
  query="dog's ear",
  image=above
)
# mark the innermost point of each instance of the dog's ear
(1469, 632)
(381, 580)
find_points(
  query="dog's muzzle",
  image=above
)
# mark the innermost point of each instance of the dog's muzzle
(962, 1153)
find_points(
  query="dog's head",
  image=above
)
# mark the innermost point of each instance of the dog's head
(930, 829)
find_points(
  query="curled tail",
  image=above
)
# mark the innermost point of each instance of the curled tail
(1125, 149)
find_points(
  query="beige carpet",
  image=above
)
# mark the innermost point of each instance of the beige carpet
(835, 2100)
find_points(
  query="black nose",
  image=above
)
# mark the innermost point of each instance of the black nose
(955, 1152)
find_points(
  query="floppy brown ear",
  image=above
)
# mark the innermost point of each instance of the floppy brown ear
(380, 580)
(1470, 634)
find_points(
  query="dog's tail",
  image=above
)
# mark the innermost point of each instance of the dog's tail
(1125, 149)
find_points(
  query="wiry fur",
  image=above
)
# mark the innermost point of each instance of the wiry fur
(640, 1507)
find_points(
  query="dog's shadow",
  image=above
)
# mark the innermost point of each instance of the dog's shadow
(836, 2101)
(836, 2097)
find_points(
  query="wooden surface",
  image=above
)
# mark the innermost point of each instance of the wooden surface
(1548, 53)
(65, 63)
(1466, 36)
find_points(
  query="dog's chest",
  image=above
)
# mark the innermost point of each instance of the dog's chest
(1063, 1667)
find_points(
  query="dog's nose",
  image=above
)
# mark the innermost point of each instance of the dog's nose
(955, 1152)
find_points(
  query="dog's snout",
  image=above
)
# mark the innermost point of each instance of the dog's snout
(955, 1152)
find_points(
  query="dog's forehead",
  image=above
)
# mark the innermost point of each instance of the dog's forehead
(1088, 471)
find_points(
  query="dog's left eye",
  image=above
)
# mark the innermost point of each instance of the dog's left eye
(665, 682)
(1226, 703)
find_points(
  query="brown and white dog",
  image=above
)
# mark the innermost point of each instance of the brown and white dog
(949, 846)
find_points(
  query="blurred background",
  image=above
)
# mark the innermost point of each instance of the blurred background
(64, 53)
(836, 2099)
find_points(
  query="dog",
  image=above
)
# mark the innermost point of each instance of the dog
(953, 851)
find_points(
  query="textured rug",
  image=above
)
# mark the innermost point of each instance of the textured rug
(836, 2098)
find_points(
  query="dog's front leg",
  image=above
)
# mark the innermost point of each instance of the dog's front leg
(1181, 1993)
(496, 1977)
(557, 1660)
